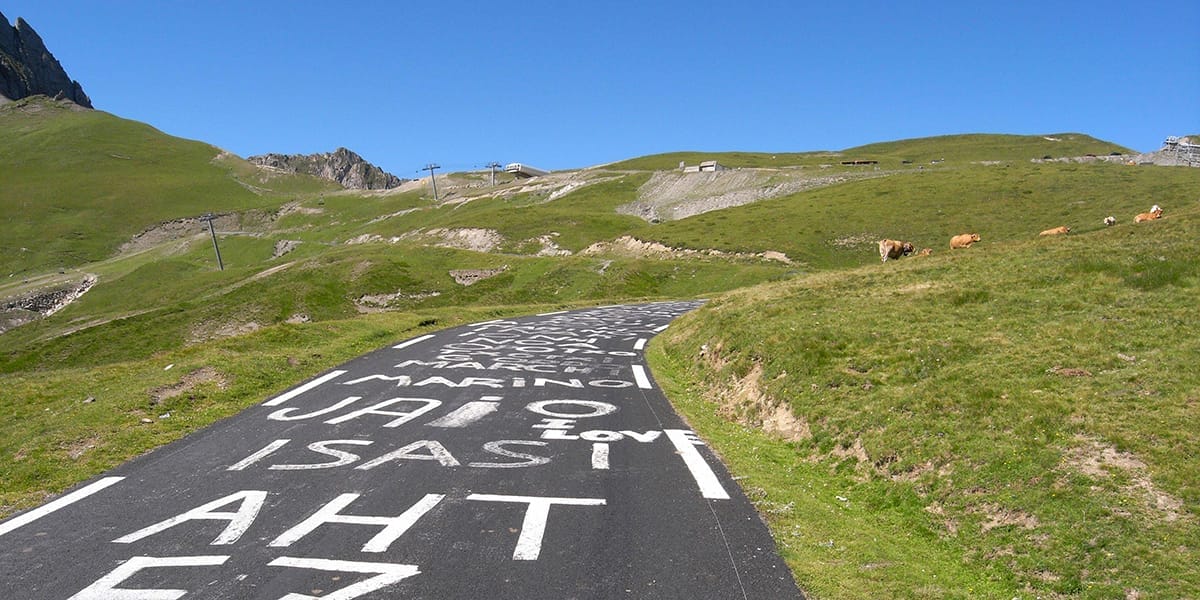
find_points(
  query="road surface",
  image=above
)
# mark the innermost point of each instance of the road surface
(528, 458)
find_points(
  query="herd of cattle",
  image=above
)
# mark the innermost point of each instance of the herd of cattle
(895, 249)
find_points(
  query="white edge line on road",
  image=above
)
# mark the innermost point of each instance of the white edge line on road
(685, 443)
(557, 312)
(639, 375)
(485, 323)
(660, 329)
(640, 345)
(415, 340)
(62, 502)
(280, 399)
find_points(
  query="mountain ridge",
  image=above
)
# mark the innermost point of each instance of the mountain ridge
(344, 166)
(27, 68)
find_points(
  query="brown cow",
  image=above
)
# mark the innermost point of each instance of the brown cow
(963, 241)
(1057, 231)
(894, 249)
(1155, 213)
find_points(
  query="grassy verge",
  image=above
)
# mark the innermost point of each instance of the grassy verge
(999, 423)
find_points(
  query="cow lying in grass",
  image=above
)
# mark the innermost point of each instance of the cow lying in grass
(1155, 213)
(1057, 231)
(963, 241)
(894, 249)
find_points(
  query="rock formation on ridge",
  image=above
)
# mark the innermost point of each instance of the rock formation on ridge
(27, 68)
(343, 166)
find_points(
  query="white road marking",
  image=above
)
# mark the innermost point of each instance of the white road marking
(660, 329)
(600, 456)
(250, 502)
(280, 399)
(466, 414)
(393, 527)
(547, 314)
(385, 574)
(529, 541)
(685, 443)
(415, 340)
(105, 587)
(639, 375)
(493, 321)
(257, 456)
(63, 502)
(640, 345)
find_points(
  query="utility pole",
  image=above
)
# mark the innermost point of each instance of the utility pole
(210, 218)
(493, 166)
(432, 180)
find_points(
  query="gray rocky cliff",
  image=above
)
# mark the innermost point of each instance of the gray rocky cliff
(27, 68)
(343, 166)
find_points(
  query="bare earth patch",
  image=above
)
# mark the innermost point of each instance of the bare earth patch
(671, 195)
(635, 248)
(205, 332)
(1096, 459)
(370, 303)
(79, 447)
(175, 230)
(999, 516)
(292, 208)
(937, 510)
(550, 247)
(188, 383)
(43, 302)
(360, 268)
(469, 238)
(473, 276)
(743, 401)
(283, 247)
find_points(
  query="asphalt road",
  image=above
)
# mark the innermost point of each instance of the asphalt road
(528, 458)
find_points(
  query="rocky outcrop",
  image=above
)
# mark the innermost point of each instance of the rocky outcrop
(32, 306)
(27, 68)
(341, 165)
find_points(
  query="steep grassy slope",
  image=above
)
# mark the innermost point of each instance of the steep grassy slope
(1012, 420)
(79, 183)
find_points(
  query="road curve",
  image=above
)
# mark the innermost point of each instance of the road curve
(529, 458)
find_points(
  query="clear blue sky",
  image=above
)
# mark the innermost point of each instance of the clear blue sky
(565, 84)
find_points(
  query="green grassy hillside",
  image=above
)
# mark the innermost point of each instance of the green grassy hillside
(952, 149)
(736, 160)
(987, 147)
(78, 183)
(839, 226)
(1011, 420)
